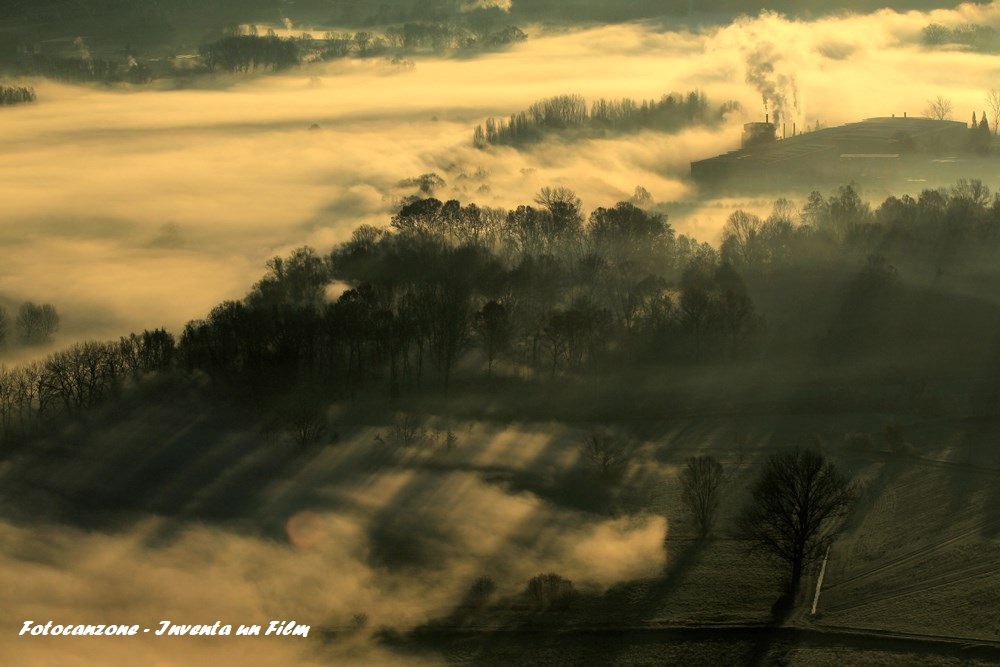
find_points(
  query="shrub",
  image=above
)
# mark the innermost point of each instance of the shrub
(481, 591)
(407, 429)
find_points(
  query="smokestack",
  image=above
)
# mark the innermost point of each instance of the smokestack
(765, 117)
(782, 130)
(793, 129)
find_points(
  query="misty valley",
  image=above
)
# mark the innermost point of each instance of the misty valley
(496, 333)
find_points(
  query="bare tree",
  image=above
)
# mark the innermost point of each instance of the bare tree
(741, 239)
(306, 424)
(363, 41)
(35, 323)
(938, 108)
(492, 326)
(700, 482)
(552, 198)
(81, 376)
(796, 509)
(408, 429)
(606, 455)
(993, 100)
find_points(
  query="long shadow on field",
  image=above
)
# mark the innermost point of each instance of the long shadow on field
(775, 637)
(178, 461)
(640, 602)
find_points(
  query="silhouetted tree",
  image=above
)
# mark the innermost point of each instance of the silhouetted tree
(742, 242)
(337, 45)
(242, 53)
(627, 234)
(939, 108)
(492, 326)
(796, 509)
(299, 281)
(363, 42)
(607, 455)
(80, 376)
(564, 221)
(993, 100)
(36, 323)
(734, 309)
(570, 112)
(147, 352)
(936, 34)
(701, 478)
(305, 423)
(840, 216)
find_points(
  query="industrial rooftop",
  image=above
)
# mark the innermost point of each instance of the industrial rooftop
(876, 147)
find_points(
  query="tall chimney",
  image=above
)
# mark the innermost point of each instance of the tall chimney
(765, 116)
(793, 129)
(782, 130)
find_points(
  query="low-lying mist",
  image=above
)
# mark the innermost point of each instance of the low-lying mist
(132, 208)
(143, 207)
(366, 535)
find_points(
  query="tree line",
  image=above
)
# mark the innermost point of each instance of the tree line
(443, 37)
(244, 49)
(972, 35)
(37, 397)
(537, 290)
(563, 112)
(250, 52)
(545, 291)
(939, 229)
(84, 68)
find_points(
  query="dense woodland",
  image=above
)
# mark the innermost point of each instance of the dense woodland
(545, 292)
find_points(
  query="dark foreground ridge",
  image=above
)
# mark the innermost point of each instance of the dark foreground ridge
(760, 642)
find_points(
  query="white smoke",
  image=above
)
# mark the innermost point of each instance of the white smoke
(472, 5)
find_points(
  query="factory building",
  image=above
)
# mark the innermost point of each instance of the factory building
(879, 149)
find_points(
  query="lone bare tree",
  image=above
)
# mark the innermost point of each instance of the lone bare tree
(796, 509)
(938, 108)
(993, 100)
(605, 454)
(700, 482)
(35, 323)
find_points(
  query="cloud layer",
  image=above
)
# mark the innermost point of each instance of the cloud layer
(143, 208)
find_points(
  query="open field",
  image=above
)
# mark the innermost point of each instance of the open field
(411, 525)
